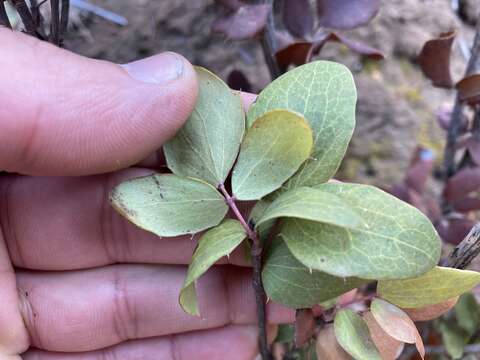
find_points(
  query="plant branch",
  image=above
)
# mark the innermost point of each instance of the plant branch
(257, 274)
(55, 22)
(466, 251)
(4, 21)
(268, 42)
(26, 16)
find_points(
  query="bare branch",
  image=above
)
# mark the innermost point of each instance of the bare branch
(4, 21)
(54, 36)
(466, 251)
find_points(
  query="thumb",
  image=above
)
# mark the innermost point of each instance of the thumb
(63, 114)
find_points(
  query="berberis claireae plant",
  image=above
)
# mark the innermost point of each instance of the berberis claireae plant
(311, 239)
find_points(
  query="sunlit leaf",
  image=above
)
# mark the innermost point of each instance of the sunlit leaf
(396, 323)
(324, 92)
(272, 151)
(305, 325)
(353, 335)
(207, 145)
(298, 17)
(288, 282)
(346, 14)
(327, 346)
(387, 346)
(438, 285)
(244, 23)
(398, 241)
(169, 205)
(434, 59)
(214, 244)
(431, 312)
(313, 204)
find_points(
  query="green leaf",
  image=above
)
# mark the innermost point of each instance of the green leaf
(398, 241)
(353, 335)
(288, 282)
(286, 333)
(454, 339)
(324, 93)
(467, 313)
(313, 204)
(207, 145)
(169, 205)
(437, 285)
(272, 151)
(214, 244)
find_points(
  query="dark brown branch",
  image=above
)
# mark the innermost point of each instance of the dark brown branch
(26, 17)
(54, 36)
(4, 21)
(257, 274)
(466, 251)
(457, 113)
(64, 18)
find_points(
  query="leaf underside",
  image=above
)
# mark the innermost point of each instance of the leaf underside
(397, 242)
(272, 151)
(324, 93)
(214, 244)
(169, 205)
(437, 285)
(288, 282)
(207, 145)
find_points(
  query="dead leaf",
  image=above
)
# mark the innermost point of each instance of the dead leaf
(389, 348)
(432, 311)
(327, 346)
(434, 59)
(304, 326)
(469, 89)
(346, 14)
(244, 23)
(297, 54)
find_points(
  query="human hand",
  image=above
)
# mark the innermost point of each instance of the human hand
(77, 281)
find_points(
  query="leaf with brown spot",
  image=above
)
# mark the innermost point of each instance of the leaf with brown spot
(396, 323)
(469, 89)
(431, 312)
(388, 347)
(245, 23)
(304, 326)
(298, 17)
(346, 14)
(434, 59)
(327, 346)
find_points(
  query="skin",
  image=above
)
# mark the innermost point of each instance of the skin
(77, 281)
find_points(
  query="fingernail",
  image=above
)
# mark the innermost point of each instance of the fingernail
(158, 70)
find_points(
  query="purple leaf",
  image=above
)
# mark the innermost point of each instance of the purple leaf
(453, 231)
(245, 23)
(298, 17)
(434, 59)
(462, 183)
(361, 48)
(420, 169)
(466, 204)
(238, 81)
(473, 146)
(346, 14)
(469, 89)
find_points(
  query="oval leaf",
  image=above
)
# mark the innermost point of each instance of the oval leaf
(207, 145)
(324, 93)
(438, 285)
(169, 205)
(312, 204)
(353, 335)
(288, 282)
(396, 323)
(214, 244)
(346, 14)
(397, 242)
(431, 312)
(272, 151)
(388, 347)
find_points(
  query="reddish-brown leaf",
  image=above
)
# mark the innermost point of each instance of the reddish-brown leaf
(396, 323)
(454, 230)
(246, 22)
(388, 347)
(297, 54)
(346, 14)
(462, 183)
(298, 17)
(468, 203)
(434, 59)
(327, 346)
(304, 326)
(469, 89)
(432, 311)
